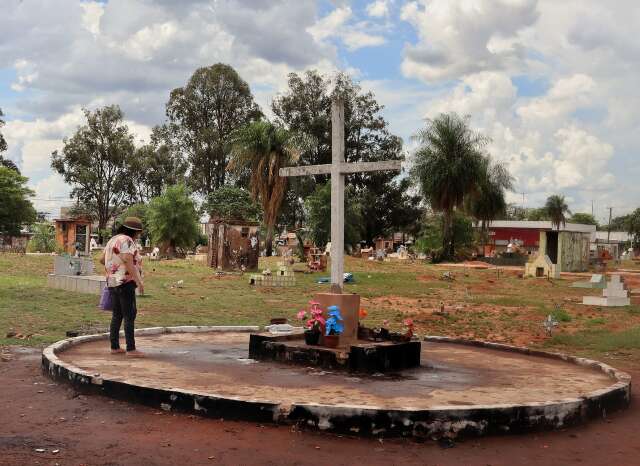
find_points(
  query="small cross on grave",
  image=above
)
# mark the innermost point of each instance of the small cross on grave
(338, 168)
(349, 304)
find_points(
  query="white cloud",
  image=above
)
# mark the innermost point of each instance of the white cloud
(93, 11)
(458, 37)
(378, 9)
(354, 35)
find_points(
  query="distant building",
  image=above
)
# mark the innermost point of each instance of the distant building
(73, 234)
(526, 234)
(16, 243)
(611, 244)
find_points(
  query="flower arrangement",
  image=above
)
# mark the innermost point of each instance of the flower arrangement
(334, 324)
(315, 322)
(408, 323)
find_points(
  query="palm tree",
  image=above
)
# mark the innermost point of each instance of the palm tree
(556, 208)
(449, 164)
(488, 201)
(262, 148)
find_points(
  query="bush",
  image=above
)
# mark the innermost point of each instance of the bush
(43, 239)
(173, 220)
(430, 240)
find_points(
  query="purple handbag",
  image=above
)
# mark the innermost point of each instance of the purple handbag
(105, 300)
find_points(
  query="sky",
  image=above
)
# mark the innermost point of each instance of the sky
(553, 83)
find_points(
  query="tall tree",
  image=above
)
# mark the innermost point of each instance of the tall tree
(201, 118)
(16, 209)
(632, 225)
(488, 201)
(263, 148)
(556, 208)
(154, 167)
(173, 220)
(96, 161)
(449, 165)
(306, 108)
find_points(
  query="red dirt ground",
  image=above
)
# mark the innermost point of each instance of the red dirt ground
(35, 414)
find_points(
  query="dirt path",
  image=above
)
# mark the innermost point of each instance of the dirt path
(36, 414)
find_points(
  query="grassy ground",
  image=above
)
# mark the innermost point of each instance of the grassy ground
(480, 304)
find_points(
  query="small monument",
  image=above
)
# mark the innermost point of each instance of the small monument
(614, 295)
(597, 282)
(75, 274)
(283, 277)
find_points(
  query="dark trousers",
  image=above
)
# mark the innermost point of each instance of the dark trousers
(123, 299)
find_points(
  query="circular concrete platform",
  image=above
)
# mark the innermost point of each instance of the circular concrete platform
(462, 387)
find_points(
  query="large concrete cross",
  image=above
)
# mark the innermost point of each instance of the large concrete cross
(338, 169)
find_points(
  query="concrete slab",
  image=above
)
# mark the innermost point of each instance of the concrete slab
(89, 284)
(464, 388)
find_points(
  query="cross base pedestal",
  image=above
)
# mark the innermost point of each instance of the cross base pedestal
(349, 305)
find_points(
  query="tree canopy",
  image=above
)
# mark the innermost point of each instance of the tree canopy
(305, 108)
(202, 116)
(16, 210)
(154, 167)
(318, 207)
(488, 201)
(449, 166)
(230, 202)
(3, 142)
(583, 218)
(556, 209)
(96, 161)
(3, 147)
(173, 220)
(262, 148)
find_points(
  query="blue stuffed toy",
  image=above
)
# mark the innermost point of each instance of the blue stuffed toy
(334, 324)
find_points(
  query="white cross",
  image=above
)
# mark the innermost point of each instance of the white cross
(338, 169)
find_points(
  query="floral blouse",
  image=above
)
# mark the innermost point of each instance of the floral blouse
(116, 271)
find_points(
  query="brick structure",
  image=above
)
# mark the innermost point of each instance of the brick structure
(233, 245)
(72, 231)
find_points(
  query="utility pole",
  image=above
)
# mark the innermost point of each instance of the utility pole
(592, 208)
(609, 225)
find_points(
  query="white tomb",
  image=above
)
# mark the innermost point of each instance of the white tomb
(615, 294)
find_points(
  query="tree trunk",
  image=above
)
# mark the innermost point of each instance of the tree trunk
(102, 224)
(447, 235)
(269, 241)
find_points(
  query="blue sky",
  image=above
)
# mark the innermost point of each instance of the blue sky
(554, 84)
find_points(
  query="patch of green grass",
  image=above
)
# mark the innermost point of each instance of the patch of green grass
(561, 315)
(596, 321)
(599, 340)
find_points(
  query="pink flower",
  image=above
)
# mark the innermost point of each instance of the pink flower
(385, 322)
(301, 315)
(408, 322)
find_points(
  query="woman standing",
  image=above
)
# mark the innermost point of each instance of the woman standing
(123, 266)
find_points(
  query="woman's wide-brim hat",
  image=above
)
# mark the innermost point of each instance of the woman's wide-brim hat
(133, 223)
